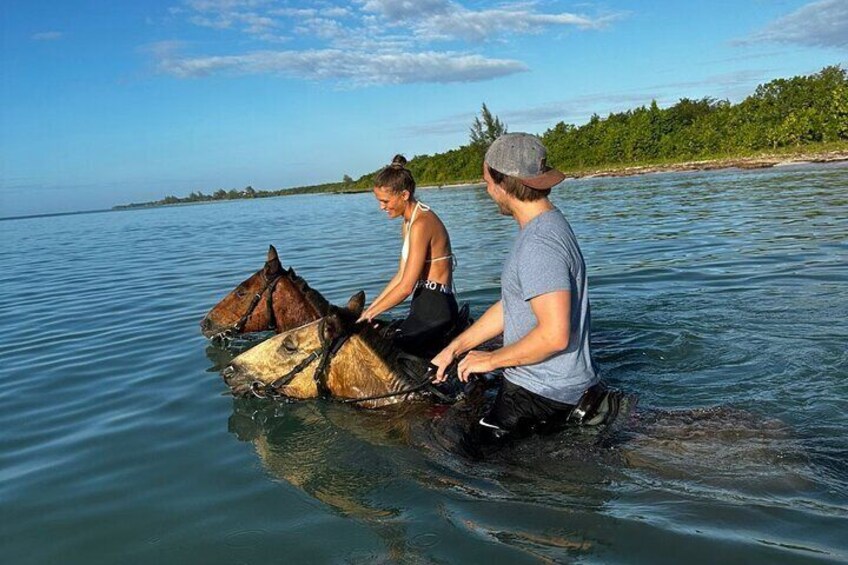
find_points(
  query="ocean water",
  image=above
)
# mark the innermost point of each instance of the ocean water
(719, 298)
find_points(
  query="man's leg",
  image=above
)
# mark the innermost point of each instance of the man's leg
(517, 412)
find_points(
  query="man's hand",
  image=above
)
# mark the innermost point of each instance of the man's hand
(476, 362)
(488, 326)
(442, 361)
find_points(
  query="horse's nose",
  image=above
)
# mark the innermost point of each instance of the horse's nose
(207, 328)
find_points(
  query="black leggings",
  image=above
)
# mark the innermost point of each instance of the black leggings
(428, 328)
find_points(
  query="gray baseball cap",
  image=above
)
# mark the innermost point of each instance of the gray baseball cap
(522, 155)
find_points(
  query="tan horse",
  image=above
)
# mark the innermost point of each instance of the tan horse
(272, 299)
(333, 357)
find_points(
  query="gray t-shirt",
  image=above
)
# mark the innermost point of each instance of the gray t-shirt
(546, 258)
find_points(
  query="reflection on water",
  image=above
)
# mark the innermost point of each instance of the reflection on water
(718, 298)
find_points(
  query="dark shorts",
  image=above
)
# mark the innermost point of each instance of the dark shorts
(517, 410)
(429, 327)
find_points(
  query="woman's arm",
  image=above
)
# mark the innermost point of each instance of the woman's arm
(419, 243)
(390, 285)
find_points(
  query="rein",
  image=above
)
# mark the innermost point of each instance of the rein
(417, 388)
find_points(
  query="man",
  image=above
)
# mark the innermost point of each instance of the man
(549, 374)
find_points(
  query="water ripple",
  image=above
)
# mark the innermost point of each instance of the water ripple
(718, 298)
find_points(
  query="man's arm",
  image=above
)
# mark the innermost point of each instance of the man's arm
(551, 335)
(488, 326)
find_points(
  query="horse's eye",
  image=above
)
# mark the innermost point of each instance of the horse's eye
(290, 345)
(240, 293)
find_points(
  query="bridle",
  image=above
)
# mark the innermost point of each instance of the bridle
(325, 353)
(327, 350)
(269, 287)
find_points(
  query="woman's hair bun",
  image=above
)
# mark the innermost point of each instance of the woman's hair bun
(399, 161)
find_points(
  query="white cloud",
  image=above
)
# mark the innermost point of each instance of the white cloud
(223, 5)
(819, 24)
(47, 36)
(402, 10)
(357, 68)
(385, 41)
(442, 20)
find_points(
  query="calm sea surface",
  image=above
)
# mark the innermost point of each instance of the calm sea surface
(720, 299)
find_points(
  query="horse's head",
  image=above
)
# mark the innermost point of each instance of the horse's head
(293, 359)
(272, 298)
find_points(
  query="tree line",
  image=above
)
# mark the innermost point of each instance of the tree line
(798, 113)
(785, 113)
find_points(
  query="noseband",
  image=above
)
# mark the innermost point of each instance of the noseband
(326, 352)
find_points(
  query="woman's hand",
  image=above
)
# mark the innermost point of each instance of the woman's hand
(366, 316)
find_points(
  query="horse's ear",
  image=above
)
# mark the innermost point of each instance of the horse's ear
(332, 327)
(272, 265)
(357, 303)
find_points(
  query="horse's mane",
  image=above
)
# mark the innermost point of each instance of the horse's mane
(385, 348)
(312, 296)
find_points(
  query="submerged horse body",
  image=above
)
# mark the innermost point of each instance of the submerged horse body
(368, 370)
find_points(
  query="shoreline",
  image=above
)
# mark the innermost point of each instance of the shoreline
(762, 161)
(765, 161)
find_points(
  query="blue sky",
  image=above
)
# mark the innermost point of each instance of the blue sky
(104, 102)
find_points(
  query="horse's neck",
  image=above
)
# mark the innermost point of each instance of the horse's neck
(361, 370)
(295, 305)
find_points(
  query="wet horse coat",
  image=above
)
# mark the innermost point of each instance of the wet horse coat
(333, 357)
(272, 299)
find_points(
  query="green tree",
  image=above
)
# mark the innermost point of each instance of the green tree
(486, 128)
(799, 111)
(840, 111)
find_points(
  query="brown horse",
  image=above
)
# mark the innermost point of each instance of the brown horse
(272, 299)
(335, 357)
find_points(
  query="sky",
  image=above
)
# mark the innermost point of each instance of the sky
(105, 103)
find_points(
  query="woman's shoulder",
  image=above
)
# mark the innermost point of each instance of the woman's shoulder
(430, 221)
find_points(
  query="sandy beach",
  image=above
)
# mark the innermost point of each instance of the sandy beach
(758, 162)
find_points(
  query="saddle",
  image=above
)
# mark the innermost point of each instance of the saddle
(388, 329)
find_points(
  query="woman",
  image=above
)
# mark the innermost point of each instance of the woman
(425, 270)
